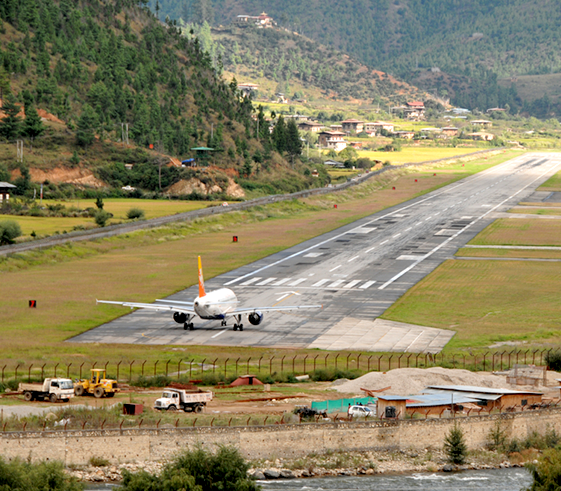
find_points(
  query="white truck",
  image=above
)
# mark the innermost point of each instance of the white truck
(54, 389)
(174, 399)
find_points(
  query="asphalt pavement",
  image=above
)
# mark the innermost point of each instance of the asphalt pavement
(356, 272)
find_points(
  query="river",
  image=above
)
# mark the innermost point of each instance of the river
(489, 480)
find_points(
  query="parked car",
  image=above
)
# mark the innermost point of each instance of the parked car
(360, 412)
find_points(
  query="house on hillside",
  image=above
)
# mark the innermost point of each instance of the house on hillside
(352, 125)
(414, 110)
(310, 126)
(484, 123)
(261, 21)
(378, 126)
(5, 189)
(332, 140)
(481, 136)
(248, 88)
(450, 131)
(408, 135)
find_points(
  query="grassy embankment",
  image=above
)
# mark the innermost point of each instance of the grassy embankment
(494, 301)
(145, 265)
(118, 207)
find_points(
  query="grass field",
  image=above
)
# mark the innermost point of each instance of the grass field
(415, 154)
(142, 266)
(552, 184)
(537, 211)
(508, 253)
(486, 302)
(520, 231)
(118, 207)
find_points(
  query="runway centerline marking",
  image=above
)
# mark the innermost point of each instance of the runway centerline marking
(352, 259)
(218, 334)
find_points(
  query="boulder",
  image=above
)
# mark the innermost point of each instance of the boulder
(271, 474)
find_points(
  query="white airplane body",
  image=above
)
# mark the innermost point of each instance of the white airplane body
(219, 304)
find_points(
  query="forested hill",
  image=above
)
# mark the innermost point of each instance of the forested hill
(99, 64)
(300, 67)
(476, 42)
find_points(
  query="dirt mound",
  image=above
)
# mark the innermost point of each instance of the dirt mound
(195, 185)
(78, 176)
(408, 381)
(48, 116)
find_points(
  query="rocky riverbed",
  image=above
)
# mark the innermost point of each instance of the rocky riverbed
(332, 464)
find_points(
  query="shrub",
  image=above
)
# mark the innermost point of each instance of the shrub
(9, 231)
(34, 477)
(330, 374)
(553, 360)
(98, 461)
(455, 446)
(136, 214)
(157, 381)
(101, 217)
(546, 473)
(196, 469)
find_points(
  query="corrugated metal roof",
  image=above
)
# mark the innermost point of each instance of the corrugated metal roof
(439, 399)
(393, 398)
(477, 395)
(6, 185)
(481, 390)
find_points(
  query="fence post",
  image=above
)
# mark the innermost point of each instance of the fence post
(390, 363)
(130, 371)
(484, 360)
(399, 360)
(325, 361)
(237, 365)
(282, 364)
(315, 358)
(3, 368)
(179, 368)
(56, 366)
(293, 361)
(80, 370)
(68, 370)
(225, 366)
(167, 365)
(143, 367)
(348, 361)
(358, 361)
(534, 357)
(29, 373)
(260, 363)
(379, 358)
(305, 364)
(271, 365)
(408, 359)
(417, 360)
(336, 358)
(118, 368)
(191, 369)
(214, 366)
(203, 367)
(155, 365)
(369, 362)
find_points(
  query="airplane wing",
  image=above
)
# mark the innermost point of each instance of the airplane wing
(153, 306)
(175, 302)
(273, 309)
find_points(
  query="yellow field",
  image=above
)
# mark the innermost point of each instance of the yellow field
(415, 154)
(48, 225)
(520, 231)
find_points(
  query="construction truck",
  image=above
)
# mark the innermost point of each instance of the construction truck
(174, 399)
(97, 385)
(53, 389)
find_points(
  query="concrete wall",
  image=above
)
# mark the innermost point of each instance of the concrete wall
(136, 445)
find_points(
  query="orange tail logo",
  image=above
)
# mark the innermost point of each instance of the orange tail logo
(201, 280)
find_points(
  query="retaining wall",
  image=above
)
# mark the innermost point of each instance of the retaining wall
(254, 442)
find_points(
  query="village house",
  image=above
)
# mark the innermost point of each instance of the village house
(248, 88)
(450, 131)
(336, 127)
(481, 136)
(5, 189)
(352, 125)
(332, 140)
(310, 126)
(414, 110)
(484, 123)
(378, 126)
(408, 135)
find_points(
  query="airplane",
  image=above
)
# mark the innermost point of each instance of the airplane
(216, 305)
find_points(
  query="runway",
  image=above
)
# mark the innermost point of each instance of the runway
(356, 272)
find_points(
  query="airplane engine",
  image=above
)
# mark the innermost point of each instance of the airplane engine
(255, 318)
(180, 317)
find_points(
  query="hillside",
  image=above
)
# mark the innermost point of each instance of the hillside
(304, 69)
(473, 44)
(100, 66)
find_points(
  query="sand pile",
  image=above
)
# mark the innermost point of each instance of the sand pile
(407, 381)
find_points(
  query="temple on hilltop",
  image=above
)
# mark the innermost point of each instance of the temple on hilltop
(261, 21)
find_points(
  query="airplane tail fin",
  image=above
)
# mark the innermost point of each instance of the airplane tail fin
(201, 280)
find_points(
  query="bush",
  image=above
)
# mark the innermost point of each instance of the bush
(546, 473)
(136, 214)
(9, 231)
(101, 217)
(196, 470)
(330, 374)
(98, 461)
(34, 477)
(157, 381)
(455, 446)
(553, 360)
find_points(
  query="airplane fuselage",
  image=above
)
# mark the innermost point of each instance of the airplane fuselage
(216, 304)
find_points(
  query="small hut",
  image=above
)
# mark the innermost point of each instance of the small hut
(5, 189)
(246, 380)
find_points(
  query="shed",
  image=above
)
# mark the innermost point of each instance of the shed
(436, 403)
(5, 189)
(492, 398)
(202, 153)
(391, 407)
(246, 380)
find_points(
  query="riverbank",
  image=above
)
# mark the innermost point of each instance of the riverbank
(330, 464)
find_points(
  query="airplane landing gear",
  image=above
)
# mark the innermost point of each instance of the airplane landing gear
(188, 324)
(238, 324)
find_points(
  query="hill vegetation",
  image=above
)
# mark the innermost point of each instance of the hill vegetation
(473, 44)
(103, 67)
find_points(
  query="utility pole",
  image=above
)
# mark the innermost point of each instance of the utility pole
(125, 133)
(19, 144)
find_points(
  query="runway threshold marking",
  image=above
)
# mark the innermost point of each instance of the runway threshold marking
(409, 268)
(468, 180)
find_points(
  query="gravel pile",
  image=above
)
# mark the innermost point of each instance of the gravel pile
(407, 381)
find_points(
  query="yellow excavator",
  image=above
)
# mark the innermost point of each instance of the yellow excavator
(97, 385)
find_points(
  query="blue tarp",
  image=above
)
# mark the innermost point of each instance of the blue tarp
(341, 405)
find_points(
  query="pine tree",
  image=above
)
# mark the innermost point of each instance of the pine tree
(10, 126)
(293, 142)
(32, 124)
(455, 446)
(85, 127)
(279, 135)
